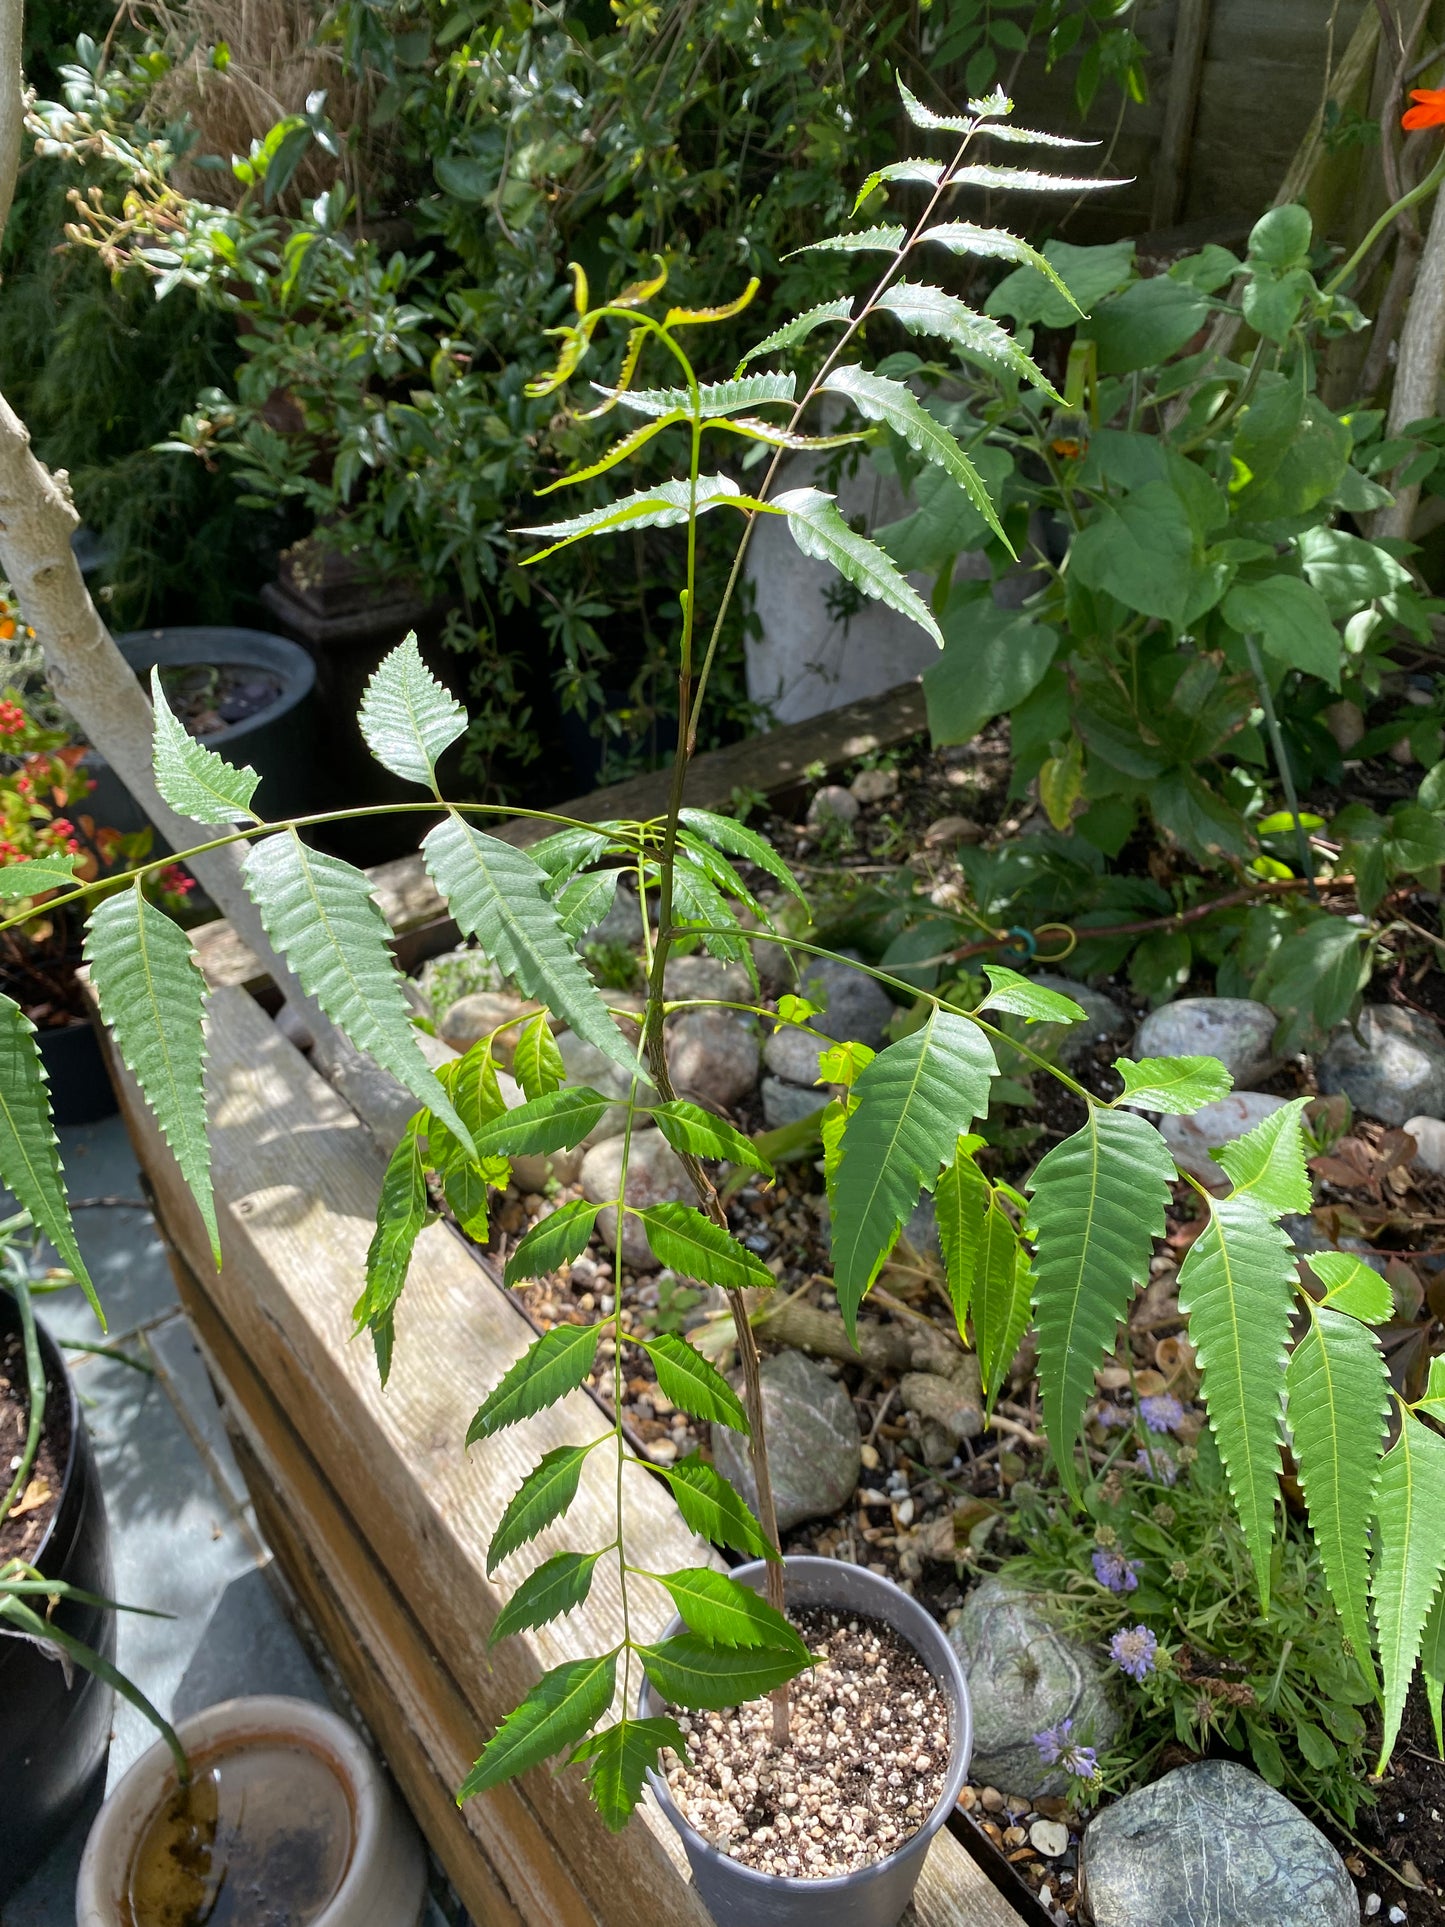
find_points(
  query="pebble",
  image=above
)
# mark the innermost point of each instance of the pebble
(1191, 1139)
(1393, 1069)
(655, 1175)
(1395, 1916)
(814, 1448)
(471, 1017)
(713, 1056)
(793, 1055)
(1429, 1136)
(874, 785)
(1346, 723)
(949, 830)
(1236, 1030)
(1373, 1903)
(833, 805)
(854, 1006)
(1050, 1837)
(992, 1800)
(785, 1103)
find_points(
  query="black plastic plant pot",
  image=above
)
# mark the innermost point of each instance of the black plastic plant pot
(278, 739)
(54, 1726)
(873, 1896)
(80, 1088)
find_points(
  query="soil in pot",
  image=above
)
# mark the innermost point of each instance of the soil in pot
(261, 1837)
(863, 1767)
(209, 697)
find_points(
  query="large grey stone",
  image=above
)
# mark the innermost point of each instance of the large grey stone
(1191, 1139)
(655, 1175)
(793, 1054)
(1025, 1675)
(785, 1103)
(1214, 1843)
(713, 1056)
(585, 1064)
(1236, 1030)
(708, 977)
(472, 1017)
(855, 1008)
(1104, 1020)
(1394, 1068)
(814, 1447)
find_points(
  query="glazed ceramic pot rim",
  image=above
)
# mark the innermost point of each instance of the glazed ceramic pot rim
(951, 1678)
(281, 1719)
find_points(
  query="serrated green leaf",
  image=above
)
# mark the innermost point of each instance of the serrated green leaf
(619, 1759)
(713, 1509)
(868, 240)
(618, 452)
(691, 1382)
(723, 1610)
(680, 1236)
(561, 1707)
(1352, 1286)
(584, 901)
(923, 310)
(557, 1122)
(964, 237)
(537, 1063)
(1338, 1393)
(878, 398)
(1269, 1162)
(557, 1586)
(926, 173)
(31, 876)
(406, 717)
(465, 1180)
(544, 1495)
(1177, 1085)
(697, 900)
(499, 896)
(688, 1127)
(800, 327)
(961, 1202)
(1036, 137)
(1002, 1293)
(552, 1242)
(401, 1211)
(1410, 1535)
(689, 1671)
(714, 400)
(1433, 1401)
(1099, 1200)
(321, 915)
(913, 1102)
(738, 840)
(153, 996)
(194, 780)
(29, 1154)
(660, 507)
(1236, 1288)
(1019, 180)
(575, 848)
(1432, 1668)
(925, 117)
(821, 532)
(556, 1364)
(720, 873)
(1009, 991)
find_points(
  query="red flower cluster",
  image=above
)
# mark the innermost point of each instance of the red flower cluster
(12, 719)
(1429, 110)
(175, 881)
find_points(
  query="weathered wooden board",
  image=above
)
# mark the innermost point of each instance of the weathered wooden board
(769, 763)
(382, 1520)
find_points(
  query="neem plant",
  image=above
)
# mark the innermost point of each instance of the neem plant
(1071, 1256)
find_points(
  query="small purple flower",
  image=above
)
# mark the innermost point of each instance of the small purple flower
(1162, 1413)
(1158, 1466)
(1113, 1570)
(1133, 1650)
(1058, 1748)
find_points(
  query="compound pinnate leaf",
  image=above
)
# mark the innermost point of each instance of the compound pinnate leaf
(692, 1383)
(407, 718)
(1338, 1397)
(191, 778)
(1178, 1085)
(561, 1707)
(557, 1363)
(557, 1586)
(152, 994)
(321, 915)
(552, 1242)
(1236, 1288)
(929, 311)
(1268, 1162)
(501, 897)
(680, 1236)
(913, 1102)
(821, 532)
(1410, 1528)
(689, 1671)
(1099, 1200)
(29, 1154)
(713, 1508)
(544, 1495)
(619, 1759)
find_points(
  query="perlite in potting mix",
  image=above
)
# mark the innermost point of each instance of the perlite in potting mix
(863, 1768)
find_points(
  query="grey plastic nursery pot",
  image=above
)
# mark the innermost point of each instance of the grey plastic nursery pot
(873, 1896)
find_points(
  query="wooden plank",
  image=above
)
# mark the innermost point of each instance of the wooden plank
(770, 763)
(296, 1179)
(1186, 62)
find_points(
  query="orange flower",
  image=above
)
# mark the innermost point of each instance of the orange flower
(1431, 109)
